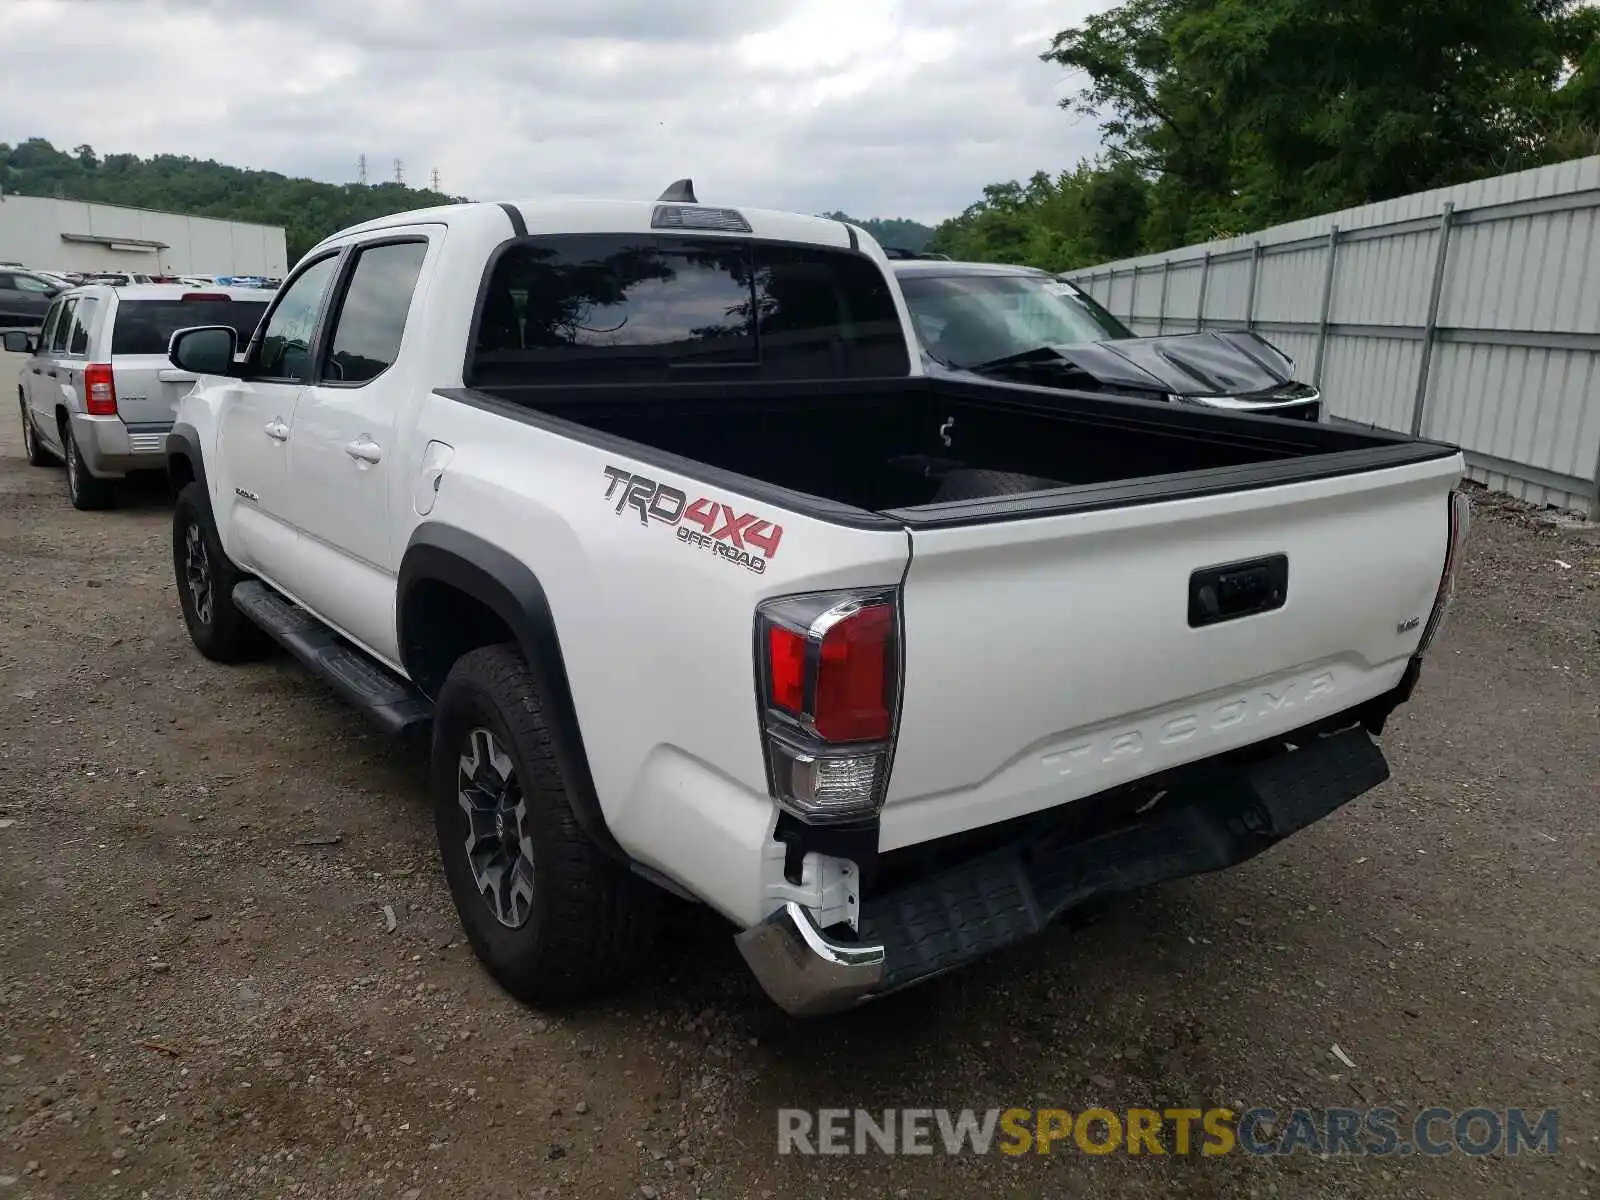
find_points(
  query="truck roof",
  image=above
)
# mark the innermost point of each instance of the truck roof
(611, 216)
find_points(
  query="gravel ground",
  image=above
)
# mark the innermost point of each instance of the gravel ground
(199, 996)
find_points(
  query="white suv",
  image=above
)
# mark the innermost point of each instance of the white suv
(97, 390)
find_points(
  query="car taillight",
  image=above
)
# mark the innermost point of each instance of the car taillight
(828, 667)
(99, 390)
(1460, 519)
(204, 296)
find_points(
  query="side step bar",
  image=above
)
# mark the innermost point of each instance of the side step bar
(397, 706)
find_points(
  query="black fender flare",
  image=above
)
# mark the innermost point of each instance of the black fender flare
(508, 587)
(183, 440)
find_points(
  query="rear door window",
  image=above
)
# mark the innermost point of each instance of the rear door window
(619, 308)
(372, 315)
(147, 326)
(58, 338)
(82, 326)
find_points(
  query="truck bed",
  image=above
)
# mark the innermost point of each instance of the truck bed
(933, 451)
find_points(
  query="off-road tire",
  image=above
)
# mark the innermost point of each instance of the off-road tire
(32, 449)
(87, 493)
(219, 630)
(591, 920)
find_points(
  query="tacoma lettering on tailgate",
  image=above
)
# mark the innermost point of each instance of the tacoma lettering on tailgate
(741, 538)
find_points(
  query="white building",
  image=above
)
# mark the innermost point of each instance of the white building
(70, 235)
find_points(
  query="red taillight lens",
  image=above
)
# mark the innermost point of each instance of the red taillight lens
(99, 390)
(853, 677)
(786, 669)
(204, 296)
(829, 664)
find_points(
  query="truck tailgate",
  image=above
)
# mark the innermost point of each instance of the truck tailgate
(1051, 658)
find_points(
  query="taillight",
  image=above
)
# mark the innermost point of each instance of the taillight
(204, 296)
(1460, 519)
(99, 390)
(829, 671)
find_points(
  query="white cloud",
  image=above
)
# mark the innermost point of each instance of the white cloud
(876, 107)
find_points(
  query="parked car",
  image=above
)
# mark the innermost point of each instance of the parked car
(97, 390)
(25, 297)
(1012, 322)
(117, 278)
(648, 516)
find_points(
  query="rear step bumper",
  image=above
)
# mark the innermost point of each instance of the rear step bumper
(396, 705)
(972, 909)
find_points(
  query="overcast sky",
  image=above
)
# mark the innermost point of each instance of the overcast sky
(881, 109)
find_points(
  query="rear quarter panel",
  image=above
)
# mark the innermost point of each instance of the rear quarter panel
(656, 629)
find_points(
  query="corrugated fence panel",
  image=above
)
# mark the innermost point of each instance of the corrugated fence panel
(1385, 281)
(1183, 295)
(1509, 363)
(1290, 285)
(1228, 289)
(1371, 380)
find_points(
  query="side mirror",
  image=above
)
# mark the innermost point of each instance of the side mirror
(19, 341)
(204, 350)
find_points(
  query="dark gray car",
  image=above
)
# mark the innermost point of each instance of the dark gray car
(1027, 325)
(25, 297)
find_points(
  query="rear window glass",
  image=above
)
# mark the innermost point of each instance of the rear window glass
(147, 326)
(631, 308)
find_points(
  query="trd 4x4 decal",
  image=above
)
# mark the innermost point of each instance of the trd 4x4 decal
(706, 524)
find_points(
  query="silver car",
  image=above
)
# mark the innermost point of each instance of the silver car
(97, 390)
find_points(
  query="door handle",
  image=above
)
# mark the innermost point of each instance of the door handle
(52, 374)
(364, 449)
(277, 430)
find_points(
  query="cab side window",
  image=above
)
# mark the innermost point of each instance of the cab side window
(283, 348)
(372, 314)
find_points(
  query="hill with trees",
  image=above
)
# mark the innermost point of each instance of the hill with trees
(891, 231)
(306, 209)
(1223, 116)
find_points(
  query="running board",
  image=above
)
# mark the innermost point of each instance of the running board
(397, 706)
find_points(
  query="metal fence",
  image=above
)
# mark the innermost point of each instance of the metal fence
(1470, 314)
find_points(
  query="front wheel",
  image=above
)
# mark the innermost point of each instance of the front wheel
(553, 917)
(206, 578)
(32, 449)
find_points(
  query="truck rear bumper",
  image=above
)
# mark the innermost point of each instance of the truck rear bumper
(963, 912)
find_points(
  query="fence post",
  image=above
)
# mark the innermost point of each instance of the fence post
(1161, 318)
(1327, 305)
(1430, 330)
(1133, 294)
(1250, 302)
(1200, 307)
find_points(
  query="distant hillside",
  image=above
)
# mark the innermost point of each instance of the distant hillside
(307, 210)
(891, 231)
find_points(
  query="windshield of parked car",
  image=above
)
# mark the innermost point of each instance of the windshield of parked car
(146, 326)
(968, 320)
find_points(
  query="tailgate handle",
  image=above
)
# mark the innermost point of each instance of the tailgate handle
(170, 375)
(1241, 589)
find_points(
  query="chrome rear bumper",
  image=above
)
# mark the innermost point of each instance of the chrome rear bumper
(805, 972)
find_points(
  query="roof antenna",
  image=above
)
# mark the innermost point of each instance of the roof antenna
(681, 192)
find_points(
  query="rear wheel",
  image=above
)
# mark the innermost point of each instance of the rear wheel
(554, 918)
(206, 578)
(35, 452)
(85, 491)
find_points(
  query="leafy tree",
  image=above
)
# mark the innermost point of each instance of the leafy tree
(1221, 116)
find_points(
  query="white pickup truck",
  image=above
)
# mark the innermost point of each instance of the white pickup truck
(645, 513)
